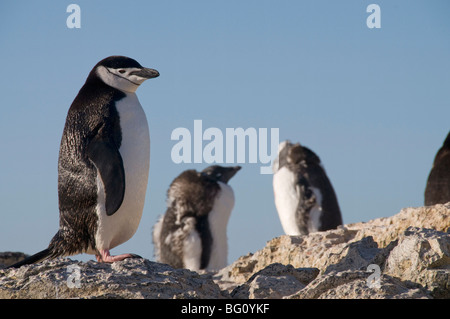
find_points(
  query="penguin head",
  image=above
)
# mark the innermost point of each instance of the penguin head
(447, 142)
(302, 155)
(282, 158)
(294, 154)
(122, 73)
(220, 173)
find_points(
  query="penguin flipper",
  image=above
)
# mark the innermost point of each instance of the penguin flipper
(307, 200)
(109, 163)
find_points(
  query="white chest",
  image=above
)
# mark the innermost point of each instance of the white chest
(286, 200)
(218, 221)
(135, 151)
(135, 147)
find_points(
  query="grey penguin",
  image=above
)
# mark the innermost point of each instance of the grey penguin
(437, 190)
(304, 197)
(103, 164)
(192, 233)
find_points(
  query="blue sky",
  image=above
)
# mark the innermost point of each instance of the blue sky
(374, 104)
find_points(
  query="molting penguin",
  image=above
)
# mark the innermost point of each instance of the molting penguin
(304, 197)
(437, 190)
(103, 164)
(193, 232)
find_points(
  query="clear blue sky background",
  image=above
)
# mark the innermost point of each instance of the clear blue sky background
(374, 104)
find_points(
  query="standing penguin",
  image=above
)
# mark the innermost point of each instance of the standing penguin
(304, 197)
(437, 190)
(193, 232)
(103, 164)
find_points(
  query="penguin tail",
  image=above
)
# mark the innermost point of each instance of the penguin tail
(40, 256)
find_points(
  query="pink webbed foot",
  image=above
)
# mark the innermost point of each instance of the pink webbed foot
(105, 257)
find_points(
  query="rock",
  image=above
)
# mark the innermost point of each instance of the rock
(275, 281)
(360, 243)
(131, 278)
(343, 255)
(388, 229)
(8, 258)
(316, 250)
(353, 285)
(403, 256)
(356, 255)
(422, 256)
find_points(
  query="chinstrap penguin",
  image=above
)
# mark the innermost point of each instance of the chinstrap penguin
(437, 190)
(103, 164)
(304, 197)
(192, 233)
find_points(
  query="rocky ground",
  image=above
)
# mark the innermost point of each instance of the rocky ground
(403, 256)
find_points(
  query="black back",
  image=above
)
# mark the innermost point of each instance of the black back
(310, 173)
(437, 190)
(191, 195)
(89, 146)
(90, 141)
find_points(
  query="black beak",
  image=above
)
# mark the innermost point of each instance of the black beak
(146, 73)
(229, 173)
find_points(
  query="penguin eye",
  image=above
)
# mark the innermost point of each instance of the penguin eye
(121, 71)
